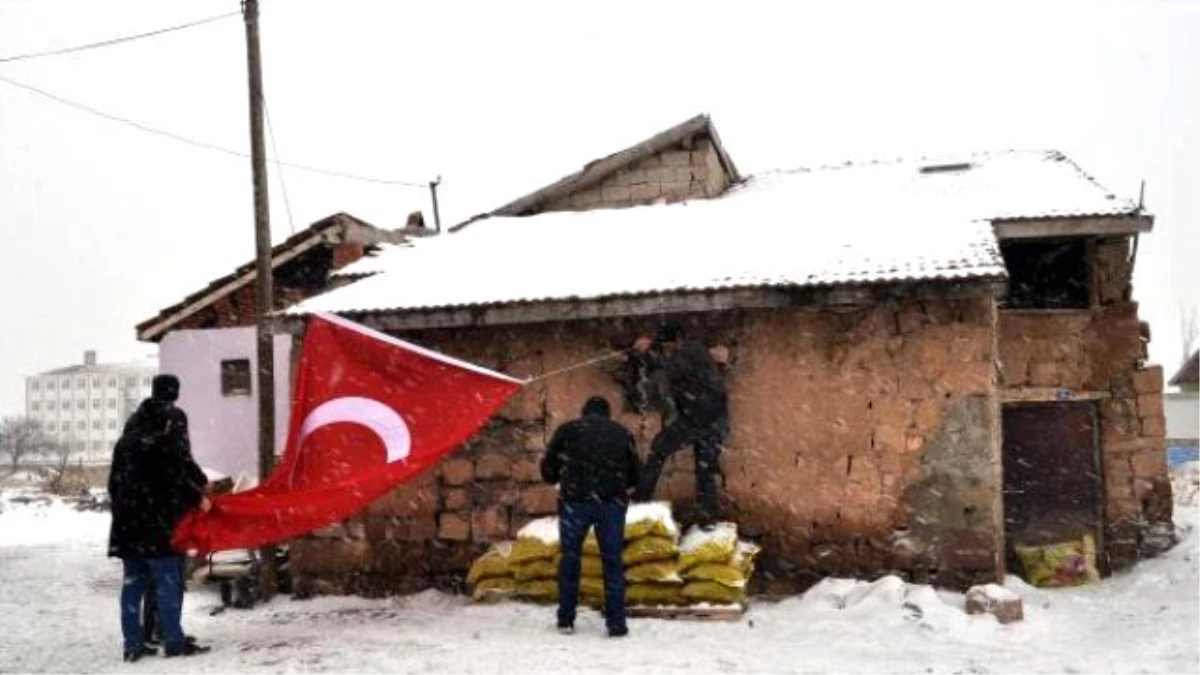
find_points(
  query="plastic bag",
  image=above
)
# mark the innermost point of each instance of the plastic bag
(649, 549)
(651, 595)
(714, 546)
(726, 575)
(658, 571)
(1069, 563)
(493, 588)
(713, 592)
(536, 569)
(494, 563)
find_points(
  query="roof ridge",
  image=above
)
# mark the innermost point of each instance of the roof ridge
(946, 158)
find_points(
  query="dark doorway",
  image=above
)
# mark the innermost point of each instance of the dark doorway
(1052, 474)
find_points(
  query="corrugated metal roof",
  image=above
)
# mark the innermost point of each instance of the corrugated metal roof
(862, 223)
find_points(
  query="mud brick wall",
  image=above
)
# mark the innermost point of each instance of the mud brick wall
(862, 442)
(868, 441)
(684, 172)
(1101, 351)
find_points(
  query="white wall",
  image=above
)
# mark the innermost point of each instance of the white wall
(224, 429)
(1183, 415)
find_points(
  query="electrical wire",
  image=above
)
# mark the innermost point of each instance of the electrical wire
(115, 41)
(287, 203)
(203, 144)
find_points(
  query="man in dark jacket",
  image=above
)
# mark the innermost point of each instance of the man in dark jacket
(152, 483)
(700, 414)
(594, 460)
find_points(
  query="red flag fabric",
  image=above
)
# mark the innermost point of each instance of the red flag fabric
(369, 412)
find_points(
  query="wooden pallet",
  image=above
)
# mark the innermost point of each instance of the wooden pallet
(703, 613)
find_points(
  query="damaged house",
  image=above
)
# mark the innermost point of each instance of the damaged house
(929, 361)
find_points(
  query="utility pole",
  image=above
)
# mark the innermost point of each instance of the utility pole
(437, 218)
(264, 287)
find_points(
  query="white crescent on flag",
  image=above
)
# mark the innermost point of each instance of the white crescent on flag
(379, 418)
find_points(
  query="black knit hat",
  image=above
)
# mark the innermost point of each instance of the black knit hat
(165, 387)
(597, 405)
(670, 331)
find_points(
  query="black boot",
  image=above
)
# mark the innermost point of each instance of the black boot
(132, 656)
(189, 649)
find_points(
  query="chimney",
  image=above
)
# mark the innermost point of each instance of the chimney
(415, 225)
(89, 357)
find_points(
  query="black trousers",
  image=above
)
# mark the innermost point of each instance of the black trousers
(706, 444)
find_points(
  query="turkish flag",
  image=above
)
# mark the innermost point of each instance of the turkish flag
(370, 411)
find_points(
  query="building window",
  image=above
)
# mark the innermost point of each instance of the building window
(80, 446)
(112, 383)
(235, 377)
(112, 404)
(95, 382)
(34, 406)
(97, 445)
(66, 426)
(95, 404)
(112, 424)
(81, 383)
(81, 425)
(145, 381)
(95, 424)
(81, 404)
(50, 405)
(1046, 274)
(131, 382)
(35, 385)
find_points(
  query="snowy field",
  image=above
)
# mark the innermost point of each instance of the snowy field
(58, 613)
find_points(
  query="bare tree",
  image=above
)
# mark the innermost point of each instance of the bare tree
(1187, 330)
(22, 437)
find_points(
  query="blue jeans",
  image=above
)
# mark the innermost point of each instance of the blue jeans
(168, 590)
(574, 519)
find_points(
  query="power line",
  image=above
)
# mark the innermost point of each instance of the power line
(202, 144)
(115, 41)
(287, 203)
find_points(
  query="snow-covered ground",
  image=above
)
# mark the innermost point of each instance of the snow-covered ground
(58, 613)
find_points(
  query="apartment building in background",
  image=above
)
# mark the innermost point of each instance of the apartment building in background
(86, 405)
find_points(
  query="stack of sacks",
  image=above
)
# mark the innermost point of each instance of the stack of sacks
(715, 565)
(491, 576)
(650, 558)
(534, 560)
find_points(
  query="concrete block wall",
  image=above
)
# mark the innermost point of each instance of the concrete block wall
(683, 172)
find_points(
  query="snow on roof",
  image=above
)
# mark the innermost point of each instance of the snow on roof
(853, 224)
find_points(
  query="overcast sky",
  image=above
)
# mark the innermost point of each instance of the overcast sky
(101, 225)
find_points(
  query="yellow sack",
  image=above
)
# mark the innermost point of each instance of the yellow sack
(535, 569)
(743, 557)
(538, 589)
(715, 546)
(726, 575)
(493, 588)
(659, 571)
(591, 587)
(713, 592)
(650, 519)
(647, 549)
(494, 563)
(1070, 563)
(591, 566)
(654, 594)
(538, 540)
(591, 545)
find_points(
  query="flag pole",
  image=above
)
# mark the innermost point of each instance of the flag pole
(264, 291)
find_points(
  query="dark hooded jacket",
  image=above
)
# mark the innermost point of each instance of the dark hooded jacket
(153, 481)
(694, 385)
(592, 457)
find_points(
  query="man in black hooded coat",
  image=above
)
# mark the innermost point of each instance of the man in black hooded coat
(699, 416)
(153, 482)
(595, 463)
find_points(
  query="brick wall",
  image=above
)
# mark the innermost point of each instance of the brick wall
(679, 173)
(843, 425)
(1100, 351)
